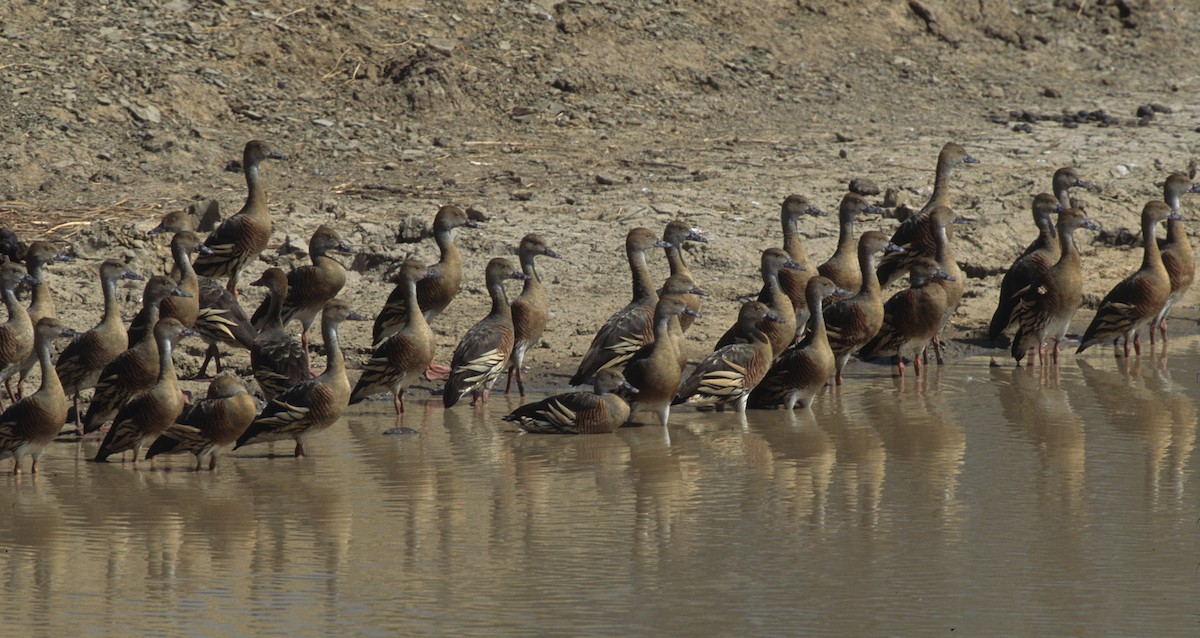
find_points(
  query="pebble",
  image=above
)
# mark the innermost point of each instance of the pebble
(864, 187)
(605, 180)
(320, 121)
(522, 196)
(145, 113)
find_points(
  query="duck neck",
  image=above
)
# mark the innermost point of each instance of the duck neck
(444, 237)
(41, 298)
(500, 305)
(256, 198)
(1063, 194)
(941, 186)
(643, 287)
(845, 235)
(112, 309)
(183, 265)
(414, 319)
(866, 263)
(1047, 231)
(816, 318)
(771, 288)
(166, 366)
(675, 260)
(1175, 230)
(50, 380)
(1066, 242)
(1151, 256)
(751, 331)
(11, 303)
(274, 320)
(662, 328)
(791, 241)
(942, 254)
(530, 268)
(335, 361)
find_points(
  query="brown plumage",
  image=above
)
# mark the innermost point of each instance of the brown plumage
(311, 287)
(210, 424)
(675, 234)
(911, 317)
(1137, 299)
(185, 309)
(133, 370)
(1044, 308)
(530, 310)
(276, 358)
(399, 361)
(1175, 249)
(794, 281)
(148, 414)
(241, 238)
(483, 351)
(313, 404)
(158, 289)
(80, 363)
(1042, 253)
(654, 369)
(16, 334)
(951, 157)
(38, 255)
(729, 374)
(781, 333)
(29, 425)
(597, 412)
(434, 294)
(219, 316)
(629, 328)
(842, 268)
(851, 323)
(799, 373)
(679, 286)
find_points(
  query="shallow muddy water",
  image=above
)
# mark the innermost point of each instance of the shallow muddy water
(982, 500)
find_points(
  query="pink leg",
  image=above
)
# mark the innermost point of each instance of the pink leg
(1137, 344)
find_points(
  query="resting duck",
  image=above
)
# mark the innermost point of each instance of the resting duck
(38, 255)
(147, 414)
(219, 317)
(951, 157)
(16, 334)
(311, 287)
(779, 333)
(1137, 299)
(794, 281)
(842, 268)
(729, 374)
(598, 412)
(654, 369)
(629, 328)
(399, 361)
(241, 238)
(1176, 250)
(210, 425)
(851, 323)
(29, 425)
(800, 372)
(1045, 307)
(675, 234)
(313, 404)
(276, 358)
(133, 370)
(1030, 265)
(433, 294)
(80, 363)
(912, 317)
(530, 310)
(483, 351)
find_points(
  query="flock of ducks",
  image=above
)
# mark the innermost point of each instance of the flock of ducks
(788, 343)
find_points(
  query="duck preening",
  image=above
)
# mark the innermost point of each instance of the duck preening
(598, 412)
(209, 425)
(730, 373)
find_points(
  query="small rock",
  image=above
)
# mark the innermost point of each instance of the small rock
(522, 196)
(864, 187)
(1122, 170)
(1051, 93)
(842, 138)
(443, 46)
(478, 214)
(605, 180)
(146, 113)
(1144, 111)
(994, 92)
(320, 121)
